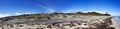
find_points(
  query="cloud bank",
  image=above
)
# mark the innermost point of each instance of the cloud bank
(23, 13)
(4, 15)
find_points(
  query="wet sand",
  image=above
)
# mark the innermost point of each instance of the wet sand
(115, 24)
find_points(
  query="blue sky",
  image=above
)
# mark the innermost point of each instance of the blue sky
(17, 7)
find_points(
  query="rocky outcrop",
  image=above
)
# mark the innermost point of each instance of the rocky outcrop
(50, 16)
(90, 20)
(81, 22)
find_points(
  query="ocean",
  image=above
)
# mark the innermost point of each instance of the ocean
(117, 19)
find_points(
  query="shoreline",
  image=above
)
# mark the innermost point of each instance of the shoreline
(115, 23)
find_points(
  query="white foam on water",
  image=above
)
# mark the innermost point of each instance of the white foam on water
(117, 19)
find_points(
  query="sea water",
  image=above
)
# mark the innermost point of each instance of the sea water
(117, 19)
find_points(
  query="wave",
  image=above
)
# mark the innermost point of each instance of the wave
(117, 19)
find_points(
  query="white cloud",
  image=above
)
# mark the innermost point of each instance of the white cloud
(4, 15)
(48, 9)
(23, 13)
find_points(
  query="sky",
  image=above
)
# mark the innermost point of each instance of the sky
(18, 7)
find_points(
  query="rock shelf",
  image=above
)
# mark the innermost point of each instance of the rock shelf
(81, 22)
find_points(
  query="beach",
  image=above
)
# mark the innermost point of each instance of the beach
(82, 22)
